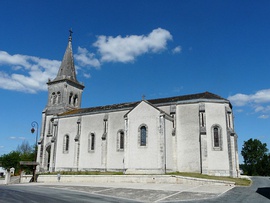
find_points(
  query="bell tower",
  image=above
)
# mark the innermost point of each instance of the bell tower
(64, 92)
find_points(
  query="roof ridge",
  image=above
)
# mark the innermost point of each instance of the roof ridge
(203, 95)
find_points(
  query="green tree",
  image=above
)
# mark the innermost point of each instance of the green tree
(264, 166)
(255, 155)
(24, 152)
(11, 160)
(27, 153)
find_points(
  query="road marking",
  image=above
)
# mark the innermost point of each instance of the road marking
(103, 190)
(176, 194)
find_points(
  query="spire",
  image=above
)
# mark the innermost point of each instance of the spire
(67, 68)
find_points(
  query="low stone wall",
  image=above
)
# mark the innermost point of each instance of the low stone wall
(25, 178)
(157, 179)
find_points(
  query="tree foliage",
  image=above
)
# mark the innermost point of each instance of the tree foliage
(27, 153)
(10, 160)
(256, 158)
(24, 152)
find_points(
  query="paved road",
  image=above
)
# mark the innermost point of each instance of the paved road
(40, 194)
(257, 193)
(140, 192)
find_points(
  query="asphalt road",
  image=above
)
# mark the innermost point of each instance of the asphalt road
(259, 192)
(36, 194)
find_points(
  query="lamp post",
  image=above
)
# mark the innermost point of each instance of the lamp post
(34, 125)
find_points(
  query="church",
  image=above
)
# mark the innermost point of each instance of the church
(187, 133)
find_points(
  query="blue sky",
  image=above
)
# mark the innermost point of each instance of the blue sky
(126, 49)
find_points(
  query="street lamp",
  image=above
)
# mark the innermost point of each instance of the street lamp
(34, 125)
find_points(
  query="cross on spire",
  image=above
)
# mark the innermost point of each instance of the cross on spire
(143, 97)
(70, 34)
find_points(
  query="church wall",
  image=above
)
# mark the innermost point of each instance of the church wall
(165, 108)
(218, 163)
(145, 159)
(65, 159)
(187, 132)
(91, 159)
(106, 155)
(115, 155)
(43, 136)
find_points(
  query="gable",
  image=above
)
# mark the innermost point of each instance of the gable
(142, 107)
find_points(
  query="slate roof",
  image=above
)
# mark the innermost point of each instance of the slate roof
(129, 105)
(67, 68)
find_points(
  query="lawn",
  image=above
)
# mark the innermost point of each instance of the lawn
(238, 181)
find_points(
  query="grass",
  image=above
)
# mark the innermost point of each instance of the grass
(237, 181)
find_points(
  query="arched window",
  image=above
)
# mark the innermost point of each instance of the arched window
(66, 144)
(50, 128)
(58, 97)
(70, 98)
(143, 135)
(91, 142)
(53, 98)
(120, 140)
(75, 100)
(216, 137)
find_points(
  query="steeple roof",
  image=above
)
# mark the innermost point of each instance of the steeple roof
(67, 68)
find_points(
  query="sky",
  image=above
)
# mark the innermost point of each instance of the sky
(124, 49)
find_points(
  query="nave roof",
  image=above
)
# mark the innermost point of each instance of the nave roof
(157, 102)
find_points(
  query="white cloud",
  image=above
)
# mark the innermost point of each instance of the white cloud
(84, 58)
(126, 49)
(239, 110)
(259, 108)
(264, 116)
(239, 99)
(15, 138)
(261, 96)
(177, 49)
(86, 75)
(259, 101)
(29, 73)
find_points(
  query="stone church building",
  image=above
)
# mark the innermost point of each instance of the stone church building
(189, 133)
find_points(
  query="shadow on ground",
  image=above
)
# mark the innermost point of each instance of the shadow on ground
(264, 191)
